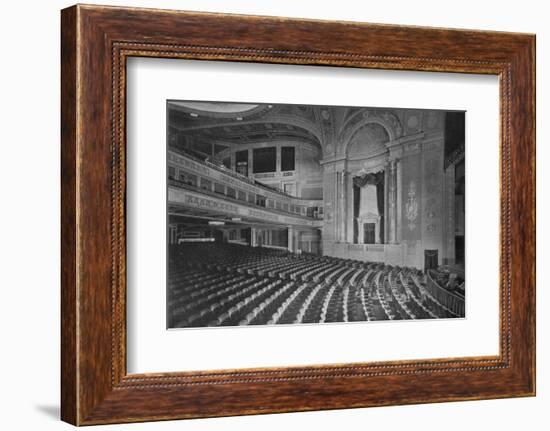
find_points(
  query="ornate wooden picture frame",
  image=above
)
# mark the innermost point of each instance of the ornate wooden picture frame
(96, 41)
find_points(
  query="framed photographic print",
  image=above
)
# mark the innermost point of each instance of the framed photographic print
(267, 215)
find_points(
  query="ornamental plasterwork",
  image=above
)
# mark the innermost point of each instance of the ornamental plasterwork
(433, 186)
(329, 149)
(411, 206)
(432, 120)
(325, 118)
(388, 118)
(412, 147)
(369, 216)
(385, 118)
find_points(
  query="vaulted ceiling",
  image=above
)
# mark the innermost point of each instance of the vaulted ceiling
(234, 123)
(229, 123)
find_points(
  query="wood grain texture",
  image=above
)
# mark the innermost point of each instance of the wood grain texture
(96, 41)
(69, 331)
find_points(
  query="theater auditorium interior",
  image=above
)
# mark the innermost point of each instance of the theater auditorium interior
(287, 214)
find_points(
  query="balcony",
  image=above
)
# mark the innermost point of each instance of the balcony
(191, 199)
(187, 171)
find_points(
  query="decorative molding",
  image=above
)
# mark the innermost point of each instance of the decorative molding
(411, 206)
(385, 118)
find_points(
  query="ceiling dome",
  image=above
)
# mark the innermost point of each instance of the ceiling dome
(217, 109)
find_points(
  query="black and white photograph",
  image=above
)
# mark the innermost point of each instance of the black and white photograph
(302, 214)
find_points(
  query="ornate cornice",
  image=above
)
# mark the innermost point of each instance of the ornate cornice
(387, 119)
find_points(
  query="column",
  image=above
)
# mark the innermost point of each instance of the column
(349, 206)
(278, 158)
(233, 161)
(449, 223)
(342, 206)
(399, 222)
(290, 239)
(337, 209)
(250, 162)
(253, 238)
(387, 203)
(393, 202)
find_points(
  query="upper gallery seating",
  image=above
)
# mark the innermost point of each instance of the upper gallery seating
(214, 284)
(260, 195)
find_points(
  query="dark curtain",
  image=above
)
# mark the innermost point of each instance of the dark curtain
(380, 202)
(356, 205)
(373, 179)
(376, 179)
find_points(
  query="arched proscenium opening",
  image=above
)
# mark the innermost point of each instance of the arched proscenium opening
(367, 144)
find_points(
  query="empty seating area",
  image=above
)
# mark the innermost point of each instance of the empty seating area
(213, 284)
(450, 281)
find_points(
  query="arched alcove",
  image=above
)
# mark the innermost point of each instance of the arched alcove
(377, 126)
(369, 140)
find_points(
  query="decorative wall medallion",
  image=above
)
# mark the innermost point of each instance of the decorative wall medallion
(412, 122)
(432, 120)
(412, 147)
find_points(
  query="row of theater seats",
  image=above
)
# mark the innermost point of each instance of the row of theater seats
(448, 280)
(229, 285)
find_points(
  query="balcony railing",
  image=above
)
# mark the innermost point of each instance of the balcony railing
(195, 187)
(451, 300)
(222, 168)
